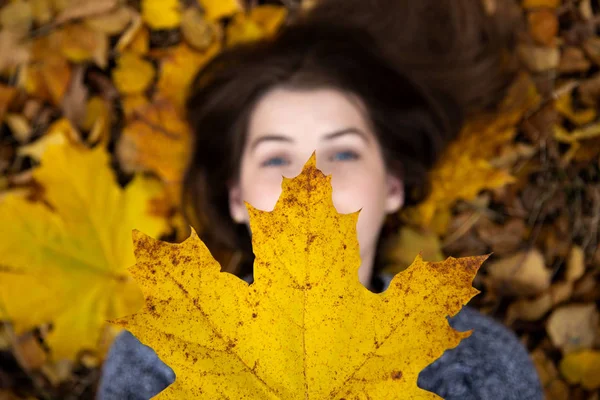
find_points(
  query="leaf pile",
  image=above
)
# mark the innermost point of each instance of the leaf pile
(92, 144)
(306, 328)
(525, 185)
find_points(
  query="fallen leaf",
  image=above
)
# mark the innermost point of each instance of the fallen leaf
(305, 315)
(84, 8)
(19, 126)
(178, 68)
(564, 105)
(198, 31)
(134, 104)
(13, 50)
(60, 132)
(527, 4)
(136, 38)
(269, 17)
(543, 26)
(112, 23)
(156, 139)
(572, 59)
(215, 9)
(41, 11)
(74, 101)
(523, 273)
(561, 292)
(573, 327)
(78, 251)
(79, 43)
(582, 368)
(539, 59)
(161, 14)
(411, 241)
(7, 93)
(48, 75)
(133, 74)
(575, 264)
(529, 310)
(591, 47)
(242, 29)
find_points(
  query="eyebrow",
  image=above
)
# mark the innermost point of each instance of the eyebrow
(329, 136)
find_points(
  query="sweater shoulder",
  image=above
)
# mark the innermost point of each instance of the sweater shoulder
(490, 364)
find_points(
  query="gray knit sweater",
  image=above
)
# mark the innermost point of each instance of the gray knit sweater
(491, 364)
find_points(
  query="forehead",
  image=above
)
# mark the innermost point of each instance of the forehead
(290, 111)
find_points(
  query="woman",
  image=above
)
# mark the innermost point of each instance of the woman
(258, 112)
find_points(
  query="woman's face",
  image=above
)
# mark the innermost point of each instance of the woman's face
(286, 127)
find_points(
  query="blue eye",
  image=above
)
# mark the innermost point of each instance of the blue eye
(345, 155)
(274, 161)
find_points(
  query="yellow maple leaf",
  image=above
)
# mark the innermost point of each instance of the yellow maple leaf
(306, 328)
(133, 74)
(582, 367)
(161, 14)
(260, 22)
(72, 255)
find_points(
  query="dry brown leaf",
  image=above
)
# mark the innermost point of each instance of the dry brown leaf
(586, 289)
(112, 23)
(529, 310)
(539, 59)
(13, 50)
(589, 90)
(73, 103)
(543, 26)
(198, 31)
(546, 369)
(502, 238)
(19, 126)
(84, 8)
(522, 274)
(79, 43)
(156, 140)
(573, 59)
(573, 327)
(575, 264)
(592, 49)
(136, 38)
(561, 292)
(17, 17)
(7, 93)
(48, 75)
(41, 11)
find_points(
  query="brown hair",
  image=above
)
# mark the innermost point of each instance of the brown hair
(460, 48)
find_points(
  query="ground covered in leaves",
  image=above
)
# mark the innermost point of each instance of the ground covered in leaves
(523, 183)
